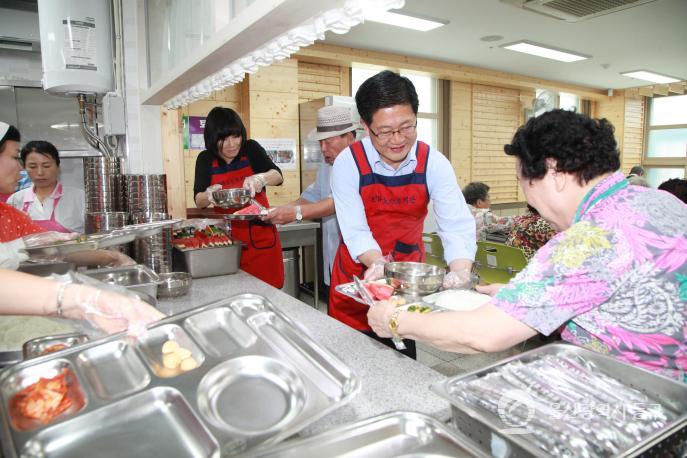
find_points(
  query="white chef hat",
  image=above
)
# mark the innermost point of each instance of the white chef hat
(4, 127)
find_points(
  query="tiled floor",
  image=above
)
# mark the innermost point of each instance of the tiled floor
(451, 364)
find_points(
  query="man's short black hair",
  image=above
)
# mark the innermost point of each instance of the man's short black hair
(12, 134)
(677, 187)
(41, 147)
(637, 170)
(221, 123)
(475, 191)
(385, 89)
(580, 145)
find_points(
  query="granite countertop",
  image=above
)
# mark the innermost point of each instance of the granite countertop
(389, 380)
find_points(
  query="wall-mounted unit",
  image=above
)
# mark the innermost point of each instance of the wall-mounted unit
(575, 10)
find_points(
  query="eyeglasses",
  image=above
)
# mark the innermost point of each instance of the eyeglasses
(386, 134)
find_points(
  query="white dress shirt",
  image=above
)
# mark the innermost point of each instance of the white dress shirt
(70, 211)
(455, 224)
(319, 190)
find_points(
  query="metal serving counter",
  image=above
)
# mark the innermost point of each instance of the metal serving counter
(296, 235)
(390, 381)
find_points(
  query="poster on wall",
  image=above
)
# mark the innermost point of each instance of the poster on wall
(194, 127)
(282, 151)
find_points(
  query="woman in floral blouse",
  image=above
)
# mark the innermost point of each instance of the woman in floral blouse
(614, 277)
(529, 232)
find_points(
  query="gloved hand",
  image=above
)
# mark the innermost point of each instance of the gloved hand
(283, 214)
(458, 279)
(12, 254)
(107, 310)
(210, 190)
(375, 271)
(119, 259)
(48, 238)
(254, 183)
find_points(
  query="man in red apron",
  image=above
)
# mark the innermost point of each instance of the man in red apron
(381, 187)
(232, 161)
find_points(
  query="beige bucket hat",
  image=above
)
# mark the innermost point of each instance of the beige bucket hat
(332, 121)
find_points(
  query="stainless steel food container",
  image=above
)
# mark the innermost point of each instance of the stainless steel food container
(102, 184)
(209, 262)
(173, 284)
(259, 379)
(36, 347)
(487, 429)
(414, 278)
(139, 278)
(231, 198)
(105, 221)
(154, 251)
(395, 434)
(46, 268)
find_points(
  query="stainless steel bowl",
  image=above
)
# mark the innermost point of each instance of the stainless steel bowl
(231, 198)
(173, 284)
(414, 278)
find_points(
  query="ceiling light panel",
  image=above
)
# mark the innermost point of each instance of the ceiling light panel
(545, 51)
(646, 75)
(403, 19)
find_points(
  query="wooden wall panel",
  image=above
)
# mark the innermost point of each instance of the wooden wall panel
(496, 114)
(613, 109)
(318, 80)
(633, 138)
(460, 151)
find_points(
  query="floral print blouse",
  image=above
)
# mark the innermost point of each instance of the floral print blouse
(616, 279)
(488, 222)
(529, 233)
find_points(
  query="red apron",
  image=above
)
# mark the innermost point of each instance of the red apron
(395, 208)
(47, 224)
(262, 256)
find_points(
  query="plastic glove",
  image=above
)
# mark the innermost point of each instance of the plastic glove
(119, 259)
(12, 254)
(375, 271)
(210, 190)
(48, 238)
(107, 310)
(458, 279)
(254, 183)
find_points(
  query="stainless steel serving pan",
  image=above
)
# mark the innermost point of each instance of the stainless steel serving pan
(258, 379)
(487, 428)
(84, 243)
(392, 435)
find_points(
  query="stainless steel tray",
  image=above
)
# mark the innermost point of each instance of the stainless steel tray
(395, 434)
(350, 290)
(138, 278)
(83, 243)
(37, 347)
(235, 217)
(488, 429)
(260, 379)
(145, 229)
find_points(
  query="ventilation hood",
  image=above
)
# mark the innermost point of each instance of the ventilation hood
(575, 10)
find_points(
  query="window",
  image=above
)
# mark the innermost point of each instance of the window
(429, 93)
(665, 154)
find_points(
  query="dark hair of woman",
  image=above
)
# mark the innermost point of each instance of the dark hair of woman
(580, 145)
(675, 186)
(11, 134)
(475, 191)
(532, 210)
(385, 89)
(40, 147)
(222, 123)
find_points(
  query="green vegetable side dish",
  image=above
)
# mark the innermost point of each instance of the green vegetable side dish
(419, 308)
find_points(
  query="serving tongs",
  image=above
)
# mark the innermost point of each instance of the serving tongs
(263, 210)
(398, 342)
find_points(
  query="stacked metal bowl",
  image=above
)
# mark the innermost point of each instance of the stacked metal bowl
(414, 278)
(154, 251)
(102, 186)
(105, 221)
(146, 193)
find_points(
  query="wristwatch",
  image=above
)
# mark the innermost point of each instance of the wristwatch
(299, 215)
(393, 323)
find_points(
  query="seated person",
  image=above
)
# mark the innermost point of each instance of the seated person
(477, 197)
(677, 187)
(529, 232)
(51, 205)
(637, 176)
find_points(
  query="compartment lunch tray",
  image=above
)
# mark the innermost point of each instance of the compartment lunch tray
(259, 379)
(391, 435)
(83, 243)
(490, 430)
(350, 290)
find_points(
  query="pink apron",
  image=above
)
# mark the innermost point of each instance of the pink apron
(47, 224)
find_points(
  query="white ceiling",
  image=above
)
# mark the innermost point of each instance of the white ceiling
(652, 36)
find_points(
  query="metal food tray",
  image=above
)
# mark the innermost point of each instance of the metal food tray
(394, 434)
(139, 278)
(210, 261)
(36, 347)
(235, 217)
(486, 429)
(260, 379)
(350, 290)
(142, 230)
(87, 243)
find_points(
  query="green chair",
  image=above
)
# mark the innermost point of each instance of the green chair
(434, 250)
(498, 263)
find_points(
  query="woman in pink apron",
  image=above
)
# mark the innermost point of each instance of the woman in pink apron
(51, 205)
